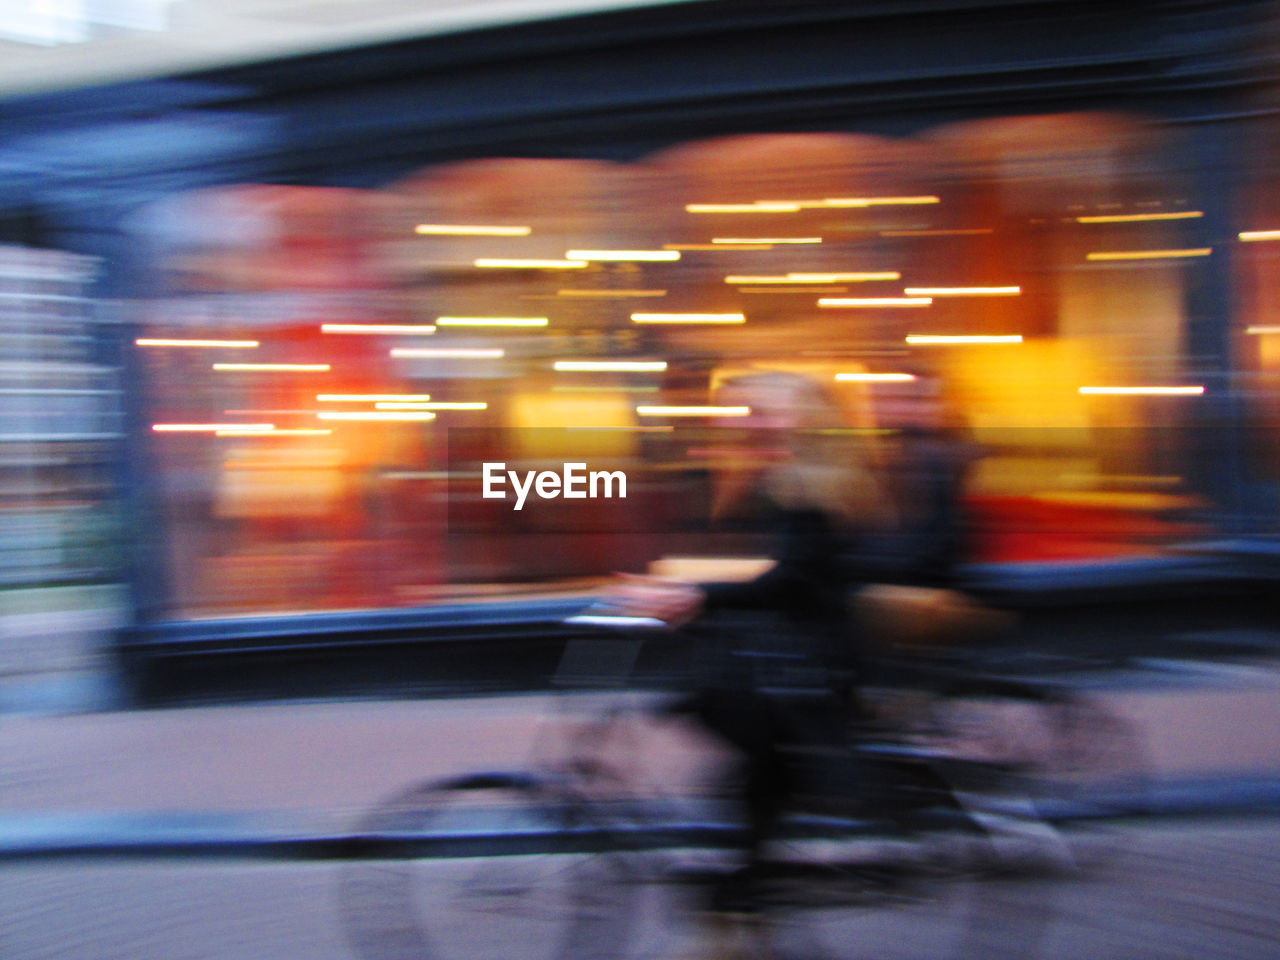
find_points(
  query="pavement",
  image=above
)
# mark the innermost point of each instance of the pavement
(287, 778)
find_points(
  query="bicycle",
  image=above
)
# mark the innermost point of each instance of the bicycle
(565, 859)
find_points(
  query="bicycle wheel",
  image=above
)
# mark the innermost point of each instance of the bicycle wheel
(487, 866)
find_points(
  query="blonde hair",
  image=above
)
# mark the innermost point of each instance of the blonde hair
(829, 467)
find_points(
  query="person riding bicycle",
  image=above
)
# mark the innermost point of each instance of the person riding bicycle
(776, 655)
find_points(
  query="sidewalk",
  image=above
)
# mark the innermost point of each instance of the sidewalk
(284, 773)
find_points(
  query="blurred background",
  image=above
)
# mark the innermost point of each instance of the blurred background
(262, 261)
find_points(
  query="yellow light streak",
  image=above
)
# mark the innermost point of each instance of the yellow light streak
(1260, 329)
(963, 291)
(276, 367)
(491, 321)
(1140, 217)
(760, 206)
(211, 427)
(950, 340)
(688, 318)
(163, 342)
(506, 263)
(406, 329)
(646, 410)
(610, 366)
(1150, 254)
(372, 397)
(606, 294)
(834, 277)
(875, 377)
(1253, 236)
(403, 415)
(468, 230)
(458, 353)
(857, 302)
(839, 202)
(755, 241)
(713, 246)
(623, 255)
(444, 405)
(1143, 391)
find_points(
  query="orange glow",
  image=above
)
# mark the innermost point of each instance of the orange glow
(970, 232)
(408, 329)
(878, 201)
(491, 321)
(299, 432)
(714, 246)
(161, 342)
(688, 318)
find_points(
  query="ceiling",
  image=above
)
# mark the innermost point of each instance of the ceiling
(47, 46)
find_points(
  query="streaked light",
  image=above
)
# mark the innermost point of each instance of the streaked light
(623, 255)
(468, 230)
(1150, 254)
(504, 263)
(857, 277)
(460, 353)
(760, 206)
(713, 246)
(610, 366)
(692, 411)
(1143, 391)
(373, 397)
(875, 377)
(826, 288)
(279, 367)
(445, 405)
(491, 321)
(968, 232)
(604, 294)
(1250, 236)
(291, 432)
(948, 340)
(406, 329)
(1136, 217)
(755, 241)
(376, 415)
(875, 301)
(211, 427)
(267, 413)
(963, 291)
(838, 202)
(1263, 328)
(162, 342)
(688, 318)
